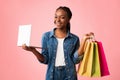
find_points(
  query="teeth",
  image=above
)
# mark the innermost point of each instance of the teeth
(58, 23)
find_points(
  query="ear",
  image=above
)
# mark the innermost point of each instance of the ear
(68, 20)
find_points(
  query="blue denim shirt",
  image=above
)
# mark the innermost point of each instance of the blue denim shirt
(71, 44)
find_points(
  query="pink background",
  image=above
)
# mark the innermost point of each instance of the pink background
(99, 16)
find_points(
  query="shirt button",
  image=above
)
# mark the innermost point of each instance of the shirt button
(52, 70)
(68, 70)
(68, 76)
(65, 57)
(53, 57)
(54, 50)
(51, 76)
(65, 50)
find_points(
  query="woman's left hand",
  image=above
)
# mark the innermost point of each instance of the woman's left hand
(83, 41)
(88, 36)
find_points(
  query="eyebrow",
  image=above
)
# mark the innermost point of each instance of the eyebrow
(60, 15)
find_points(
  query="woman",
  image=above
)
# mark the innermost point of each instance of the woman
(61, 50)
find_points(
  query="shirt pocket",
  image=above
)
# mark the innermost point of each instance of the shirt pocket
(71, 48)
(50, 47)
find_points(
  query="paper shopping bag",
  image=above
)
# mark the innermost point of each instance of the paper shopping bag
(96, 62)
(90, 66)
(103, 62)
(85, 68)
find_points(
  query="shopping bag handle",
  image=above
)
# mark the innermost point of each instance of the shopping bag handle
(92, 37)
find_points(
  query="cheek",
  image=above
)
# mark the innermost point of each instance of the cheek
(54, 21)
(63, 20)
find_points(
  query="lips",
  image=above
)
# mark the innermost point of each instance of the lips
(57, 23)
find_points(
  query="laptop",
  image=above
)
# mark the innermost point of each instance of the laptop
(24, 35)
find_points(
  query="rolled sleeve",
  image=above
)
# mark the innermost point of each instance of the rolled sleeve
(45, 60)
(77, 58)
(45, 50)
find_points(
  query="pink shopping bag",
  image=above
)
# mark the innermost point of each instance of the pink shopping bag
(103, 62)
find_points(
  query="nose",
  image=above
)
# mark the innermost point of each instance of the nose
(58, 20)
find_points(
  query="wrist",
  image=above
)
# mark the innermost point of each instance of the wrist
(33, 50)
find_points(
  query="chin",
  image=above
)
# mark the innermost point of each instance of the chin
(57, 26)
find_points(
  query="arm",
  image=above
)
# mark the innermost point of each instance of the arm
(39, 56)
(81, 48)
(83, 41)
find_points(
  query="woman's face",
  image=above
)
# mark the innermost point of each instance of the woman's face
(61, 19)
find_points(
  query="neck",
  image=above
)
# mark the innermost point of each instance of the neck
(60, 33)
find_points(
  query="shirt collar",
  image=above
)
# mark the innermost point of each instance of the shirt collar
(52, 33)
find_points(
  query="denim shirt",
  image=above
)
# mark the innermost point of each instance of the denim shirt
(71, 44)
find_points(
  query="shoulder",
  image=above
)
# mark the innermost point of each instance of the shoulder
(48, 34)
(74, 36)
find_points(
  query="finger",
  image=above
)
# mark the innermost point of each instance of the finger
(86, 34)
(91, 33)
(24, 46)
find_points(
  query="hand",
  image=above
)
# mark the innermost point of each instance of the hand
(88, 36)
(91, 34)
(28, 48)
(83, 41)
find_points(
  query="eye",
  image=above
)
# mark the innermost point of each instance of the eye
(55, 17)
(63, 17)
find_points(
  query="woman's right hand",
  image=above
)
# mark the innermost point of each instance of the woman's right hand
(28, 48)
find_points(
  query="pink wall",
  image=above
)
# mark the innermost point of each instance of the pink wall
(100, 16)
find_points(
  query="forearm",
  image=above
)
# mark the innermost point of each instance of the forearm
(81, 48)
(39, 56)
(83, 41)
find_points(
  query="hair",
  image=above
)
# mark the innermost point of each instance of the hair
(69, 14)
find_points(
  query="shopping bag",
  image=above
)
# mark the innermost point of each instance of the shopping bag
(103, 62)
(96, 72)
(86, 65)
(90, 66)
(83, 66)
